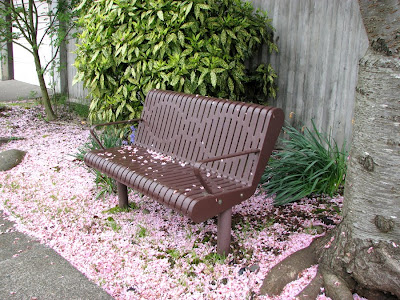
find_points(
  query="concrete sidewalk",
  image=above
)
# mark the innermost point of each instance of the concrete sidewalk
(13, 90)
(30, 270)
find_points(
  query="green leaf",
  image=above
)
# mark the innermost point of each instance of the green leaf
(224, 64)
(150, 21)
(119, 109)
(216, 38)
(171, 37)
(187, 25)
(164, 76)
(160, 15)
(218, 70)
(157, 47)
(111, 80)
(188, 8)
(125, 91)
(231, 85)
(181, 38)
(192, 76)
(78, 77)
(175, 80)
(203, 6)
(129, 107)
(187, 51)
(223, 37)
(203, 90)
(202, 77)
(231, 34)
(123, 51)
(102, 81)
(213, 78)
(96, 53)
(196, 11)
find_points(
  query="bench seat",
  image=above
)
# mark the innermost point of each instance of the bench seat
(169, 181)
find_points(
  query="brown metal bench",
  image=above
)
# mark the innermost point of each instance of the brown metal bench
(198, 155)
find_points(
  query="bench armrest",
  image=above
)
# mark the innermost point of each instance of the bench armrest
(93, 133)
(197, 165)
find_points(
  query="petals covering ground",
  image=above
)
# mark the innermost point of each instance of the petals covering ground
(149, 252)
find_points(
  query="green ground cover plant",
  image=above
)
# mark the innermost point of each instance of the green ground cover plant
(82, 110)
(128, 47)
(310, 163)
(109, 137)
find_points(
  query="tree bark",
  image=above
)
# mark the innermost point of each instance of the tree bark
(32, 19)
(363, 253)
(50, 115)
(367, 243)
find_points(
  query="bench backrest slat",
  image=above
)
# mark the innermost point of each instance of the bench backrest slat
(192, 128)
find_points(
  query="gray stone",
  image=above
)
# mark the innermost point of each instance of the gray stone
(4, 140)
(254, 268)
(10, 158)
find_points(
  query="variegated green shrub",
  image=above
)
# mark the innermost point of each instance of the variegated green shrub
(128, 47)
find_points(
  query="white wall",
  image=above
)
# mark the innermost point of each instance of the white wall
(24, 66)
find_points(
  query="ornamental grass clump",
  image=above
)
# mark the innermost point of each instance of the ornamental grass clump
(310, 163)
(128, 47)
(109, 138)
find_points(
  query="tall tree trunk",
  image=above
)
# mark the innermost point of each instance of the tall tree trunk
(50, 115)
(367, 246)
(33, 27)
(363, 253)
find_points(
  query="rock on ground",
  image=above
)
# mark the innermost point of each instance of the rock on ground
(10, 158)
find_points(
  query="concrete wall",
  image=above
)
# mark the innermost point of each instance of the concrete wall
(6, 55)
(76, 92)
(6, 63)
(320, 43)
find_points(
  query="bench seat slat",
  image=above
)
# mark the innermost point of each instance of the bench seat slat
(145, 172)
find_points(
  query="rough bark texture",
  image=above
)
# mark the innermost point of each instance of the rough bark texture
(367, 243)
(366, 265)
(363, 253)
(50, 115)
(289, 270)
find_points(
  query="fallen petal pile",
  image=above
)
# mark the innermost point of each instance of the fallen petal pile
(148, 252)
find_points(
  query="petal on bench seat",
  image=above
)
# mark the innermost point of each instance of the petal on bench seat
(166, 180)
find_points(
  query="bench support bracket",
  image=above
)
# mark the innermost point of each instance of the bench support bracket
(224, 232)
(122, 195)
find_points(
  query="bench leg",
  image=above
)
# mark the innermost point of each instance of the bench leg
(122, 195)
(224, 232)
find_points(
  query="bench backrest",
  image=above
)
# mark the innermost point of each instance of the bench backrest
(191, 128)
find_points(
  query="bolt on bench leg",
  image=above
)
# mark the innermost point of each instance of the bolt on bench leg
(122, 195)
(224, 232)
